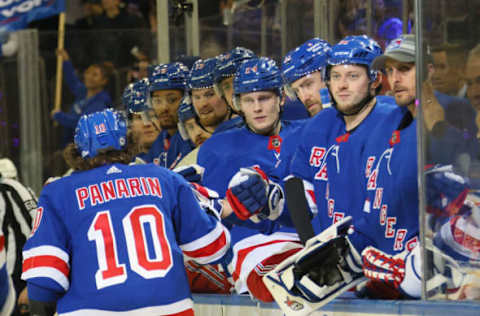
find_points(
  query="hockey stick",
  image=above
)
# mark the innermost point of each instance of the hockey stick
(299, 210)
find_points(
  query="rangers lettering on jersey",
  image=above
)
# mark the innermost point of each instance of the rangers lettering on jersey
(100, 193)
(318, 158)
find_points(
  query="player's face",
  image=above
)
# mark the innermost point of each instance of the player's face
(93, 78)
(165, 103)
(307, 90)
(349, 85)
(211, 108)
(195, 132)
(472, 79)
(401, 77)
(261, 110)
(144, 131)
(440, 76)
(227, 88)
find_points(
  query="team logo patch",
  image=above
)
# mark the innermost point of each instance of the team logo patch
(395, 139)
(294, 305)
(37, 220)
(395, 44)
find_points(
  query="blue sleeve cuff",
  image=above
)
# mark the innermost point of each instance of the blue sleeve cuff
(38, 293)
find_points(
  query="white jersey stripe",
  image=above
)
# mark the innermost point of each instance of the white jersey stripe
(47, 272)
(205, 240)
(47, 251)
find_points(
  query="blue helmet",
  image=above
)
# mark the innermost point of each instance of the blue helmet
(354, 50)
(309, 57)
(185, 112)
(257, 74)
(100, 130)
(168, 77)
(201, 74)
(185, 109)
(228, 63)
(127, 95)
(139, 99)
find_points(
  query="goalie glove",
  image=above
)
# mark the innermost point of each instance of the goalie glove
(253, 196)
(191, 173)
(328, 266)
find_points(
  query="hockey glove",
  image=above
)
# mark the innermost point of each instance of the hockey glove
(191, 173)
(208, 199)
(252, 196)
(445, 190)
(399, 272)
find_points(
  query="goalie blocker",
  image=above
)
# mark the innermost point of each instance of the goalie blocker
(326, 268)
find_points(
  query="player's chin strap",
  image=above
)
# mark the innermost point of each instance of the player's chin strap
(326, 268)
(358, 107)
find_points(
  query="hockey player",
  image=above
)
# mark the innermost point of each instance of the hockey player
(335, 135)
(302, 71)
(167, 88)
(188, 124)
(383, 227)
(143, 124)
(135, 223)
(258, 97)
(225, 69)
(213, 112)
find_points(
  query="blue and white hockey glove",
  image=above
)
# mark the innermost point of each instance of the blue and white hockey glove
(253, 196)
(191, 173)
(446, 191)
(208, 199)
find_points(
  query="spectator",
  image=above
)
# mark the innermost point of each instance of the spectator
(445, 80)
(472, 79)
(91, 9)
(121, 35)
(90, 95)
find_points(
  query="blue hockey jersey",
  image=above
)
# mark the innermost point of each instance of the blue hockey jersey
(167, 151)
(222, 155)
(114, 238)
(390, 220)
(390, 212)
(328, 158)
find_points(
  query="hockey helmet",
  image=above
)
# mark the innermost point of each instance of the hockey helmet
(354, 50)
(100, 130)
(172, 76)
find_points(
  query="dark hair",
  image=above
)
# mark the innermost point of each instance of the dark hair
(106, 68)
(75, 161)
